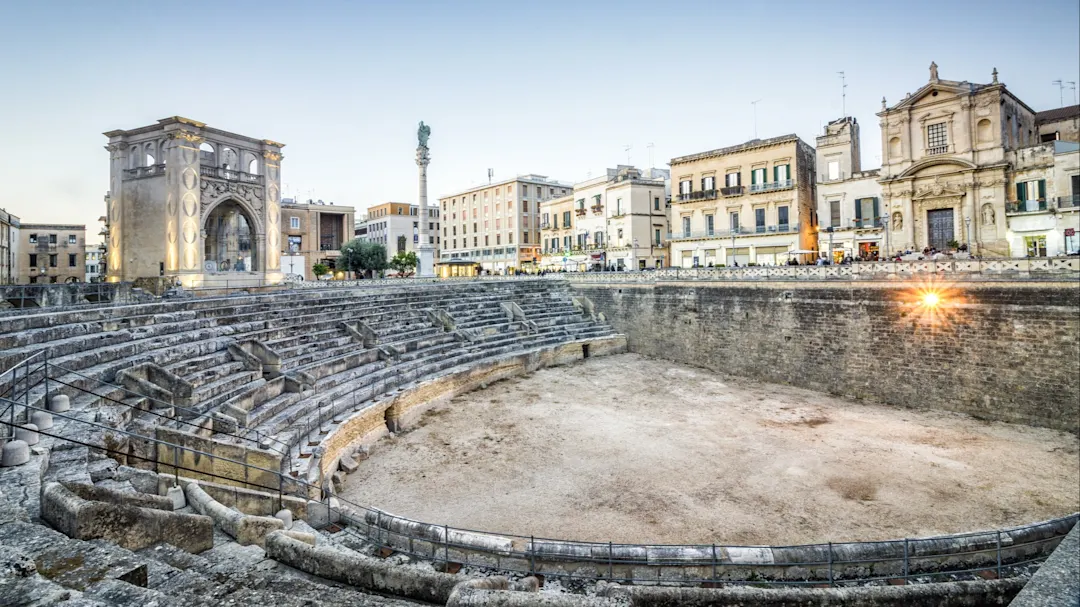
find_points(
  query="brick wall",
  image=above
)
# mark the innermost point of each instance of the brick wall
(1006, 351)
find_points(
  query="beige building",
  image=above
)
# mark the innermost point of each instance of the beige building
(956, 154)
(849, 210)
(396, 226)
(51, 253)
(9, 247)
(312, 233)
(616, 221)
(1044, 217)
(498, 225)
(751, 203)
(1060, 124)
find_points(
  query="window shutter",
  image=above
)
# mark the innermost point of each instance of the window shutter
(753, 177)
(858, 210)
(1021, 192)
(776, 173)
(1042, 189)
(876, 212)
(787, 172)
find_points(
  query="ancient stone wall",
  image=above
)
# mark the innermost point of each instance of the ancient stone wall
(1003, 351)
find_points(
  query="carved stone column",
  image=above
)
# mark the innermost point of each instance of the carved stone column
(425, 251)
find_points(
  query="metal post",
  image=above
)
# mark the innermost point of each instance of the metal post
(532, 555)
(714, 562)
(46, 356)
(999, 554)
(446, 545)
(609, 558)
(176, 466)
(906, 570)
(830, 543)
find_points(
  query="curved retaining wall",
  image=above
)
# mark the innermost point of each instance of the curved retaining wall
(1005, 351)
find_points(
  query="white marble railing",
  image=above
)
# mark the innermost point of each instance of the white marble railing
(1064, 267)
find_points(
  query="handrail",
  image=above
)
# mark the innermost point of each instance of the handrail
(383, 534)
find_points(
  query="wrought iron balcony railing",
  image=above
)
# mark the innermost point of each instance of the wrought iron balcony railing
(738, 232)
(699, 195)
(770, 187)
(735, 190)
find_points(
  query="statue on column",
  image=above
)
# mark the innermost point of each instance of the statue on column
(422, 134)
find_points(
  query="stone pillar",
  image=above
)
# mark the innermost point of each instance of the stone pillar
(114, 251)
(425, 250)
(271, 248)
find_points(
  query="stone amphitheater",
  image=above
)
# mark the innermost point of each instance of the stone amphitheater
(190, 451)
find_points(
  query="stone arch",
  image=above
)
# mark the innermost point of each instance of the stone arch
(984, 132)
(149, 151)
(250, 163)
(232, 237)
(925, 164)
(207, 154)
(248, 209)
(894, 148)
(229, 158)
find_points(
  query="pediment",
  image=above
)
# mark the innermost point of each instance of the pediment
(946, 89)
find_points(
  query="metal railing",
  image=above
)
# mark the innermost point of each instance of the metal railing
(741, 231)
(698, 195)
(999, 552)
(936, 150)
(735, 190)
(756, 188)
(1043, 204)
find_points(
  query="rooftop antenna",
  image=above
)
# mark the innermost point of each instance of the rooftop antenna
(1061, 92)
(754, 103)
(491, 173)
(627, 148)
(843, 95)
(650, 146)
(1072, 86)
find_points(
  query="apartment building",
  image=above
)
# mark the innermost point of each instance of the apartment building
(849, 208)
(94, 262)
(498, 224)
(618, 221)
(396, 226)
(9, 248)
(51, 253)
(751, 203)
(313, 232)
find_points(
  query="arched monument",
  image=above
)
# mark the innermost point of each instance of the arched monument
(193, 204)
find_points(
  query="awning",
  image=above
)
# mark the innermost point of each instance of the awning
(801, 252)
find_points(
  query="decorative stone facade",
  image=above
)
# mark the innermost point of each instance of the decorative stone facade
(951, 152)
(850, 214)
(193, 203)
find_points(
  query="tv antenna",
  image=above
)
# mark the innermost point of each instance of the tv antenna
(627, 148)
(843, 95)
(1072, 87)
(650, 146)
(754, 103)
(491, 173)
(1061, 92)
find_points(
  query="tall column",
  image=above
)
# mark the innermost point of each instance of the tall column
(425, 250)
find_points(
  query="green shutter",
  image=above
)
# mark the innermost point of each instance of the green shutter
(787, 169)
(776, 172)
(1021, 192)
(1042, 189)
(876, 213)
(858, 212)
(753, 176)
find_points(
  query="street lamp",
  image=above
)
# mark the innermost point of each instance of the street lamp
(967, 231)
(885, 225)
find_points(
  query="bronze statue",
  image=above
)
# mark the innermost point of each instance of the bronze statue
(423, 133)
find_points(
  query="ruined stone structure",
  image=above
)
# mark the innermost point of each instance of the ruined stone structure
(193, 204)
(222, 426)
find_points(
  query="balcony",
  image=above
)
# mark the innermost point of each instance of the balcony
(1068, 202)
(863, 224)
(735, 190)
(153, 170)
(597, 208)
(579, 212)
(783, 228)
(937, 150)
(758, 188)
(1026, 206)
(227, 174)
(699, 195)
(544, 225)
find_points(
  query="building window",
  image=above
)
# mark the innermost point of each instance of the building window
(685, 186)
(656, 203)
(71, 259)
(782, 217)
(1036, 246)
(708, 183)
(33, 260)
(834, 170)
(524, 238)
(72, 239)
(735, 222)
(834, 213)
(781, 173)
(757, 176)
(732, 180)
(294, 223)
(686, 227)
(656, 236)
(620, 234)
(566, 217)
(52, 238)
(295, 244)
(759, 219)
(936, 138)
(52, 260)
(33, 239)
(709, 225)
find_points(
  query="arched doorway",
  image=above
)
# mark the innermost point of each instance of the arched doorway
(230, 240)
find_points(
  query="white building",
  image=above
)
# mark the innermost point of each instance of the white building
(94, 263)
(849, 209)
(1044, 218)
(619, 220)
(396, 226)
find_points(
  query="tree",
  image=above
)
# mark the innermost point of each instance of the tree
(404, 263)
(319, 270)
(363, 257)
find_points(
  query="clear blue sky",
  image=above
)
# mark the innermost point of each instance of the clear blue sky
(544, 86)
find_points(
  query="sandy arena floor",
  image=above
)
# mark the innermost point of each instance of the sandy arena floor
(629, 449)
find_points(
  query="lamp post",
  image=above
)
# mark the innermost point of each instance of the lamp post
(967, 231)
(885, 225)
(734, 230)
